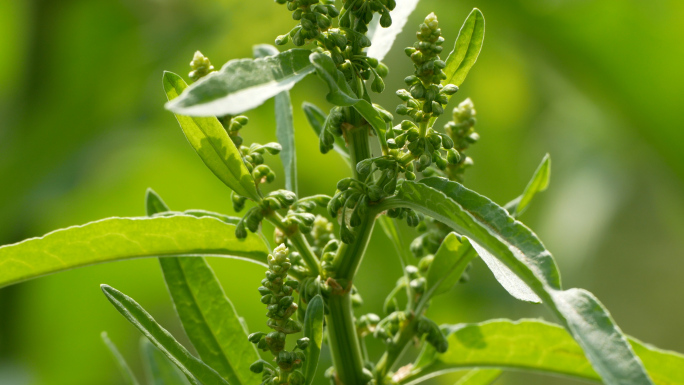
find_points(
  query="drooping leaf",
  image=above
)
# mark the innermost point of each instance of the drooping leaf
(466, 50)
(383, 38)
(197, 371)
(518, 248)
(448, 265)
(313, 329)
(116, 239)
(211, 142)
(207, 315)
(284, 125)
(125, 370)
(243, 84)
(539, 346)
(160, 371)
(342, 95)
(317, 119)
(538, 183)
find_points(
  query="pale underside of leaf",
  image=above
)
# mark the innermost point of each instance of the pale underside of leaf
(383, 38)
(243, 84)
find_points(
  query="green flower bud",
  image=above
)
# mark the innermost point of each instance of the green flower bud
(240, 231)
(255, 337)
(257, 367)
(378, 85)
(303, 343)
(382, 70)
(385, 20)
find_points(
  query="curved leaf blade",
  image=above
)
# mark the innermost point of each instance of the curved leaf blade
(313, 328)
(535, 345)
(198, 372)
(448, 265)
(479, 377)
(466, 50)
(317, 120)
(516, 246)
(539, 182)
(116, 239)
(243, 84)
(383, 38)
(125, 370)
(211, 142)
(160, 371)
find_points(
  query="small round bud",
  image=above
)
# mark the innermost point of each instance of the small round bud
(303, 343)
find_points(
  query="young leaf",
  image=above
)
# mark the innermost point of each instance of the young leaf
(211, 142)
(383, 38)
(466, 50)
(126, 371)
(317, 119)
(243, 84)
(197, 371)
(538, 183)
(116, 239)
(313, 329)
(160, 371)
(490, 226)
(451, 260)
(153, 203)
(535, 345)
(342, 95)
(284, 125)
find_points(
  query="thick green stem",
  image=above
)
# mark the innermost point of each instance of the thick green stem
(344, 342)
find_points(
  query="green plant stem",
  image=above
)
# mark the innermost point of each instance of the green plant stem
(396, 350)
(298, 241)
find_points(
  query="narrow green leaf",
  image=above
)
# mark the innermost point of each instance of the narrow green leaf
(451, 260)
(383, 38)
(284, 125)
(342, 95)
(539, 346)
(116, 239)
(198, 372)
(211, 142)
(466, 50)
(153, 203)
(126, 371)
(243, 84)
(208, 317)
(479, 377)
(160, 371)
(317, 119)
(490, 228)
(389, 227)
(538, 183)
(313, 328)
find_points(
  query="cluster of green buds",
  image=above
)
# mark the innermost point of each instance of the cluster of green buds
(390, 326)
(276, 291)
(314, 16)
(275, 200)
(233, 125)
(357, 14)
(462, 131)
(201, 66)
(427, 148)
(433, 334)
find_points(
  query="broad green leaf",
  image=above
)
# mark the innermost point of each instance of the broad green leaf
(211, 142)
(538, 183)
(126, 371)
(383, 38)
(243, 84)
(208, 317)
(342, 95)
(535, 345)
(116, 239)
(197, 371)
(491, 228)
(479, 377)
(160, 371)
(317, 119)
(451, 260)
(313, 328)
(466, 50)
(284, 125)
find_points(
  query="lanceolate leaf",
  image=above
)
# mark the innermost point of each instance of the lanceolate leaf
(116, 239)
(342, 95)
(490, 226)
(313, 328)
(211, 142)
(466, 50)
(451, 260)
(197, 371)
(538, 183)
(383, 38)
(208, 317)
(160, 370)
(284, 125)
(479, 377)
(243, 84)
(535, 345)
(126, 371)
(317, 119)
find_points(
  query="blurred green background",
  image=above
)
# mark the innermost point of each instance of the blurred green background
(599, 84)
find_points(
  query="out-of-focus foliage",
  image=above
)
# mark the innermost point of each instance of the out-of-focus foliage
(83, 134)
